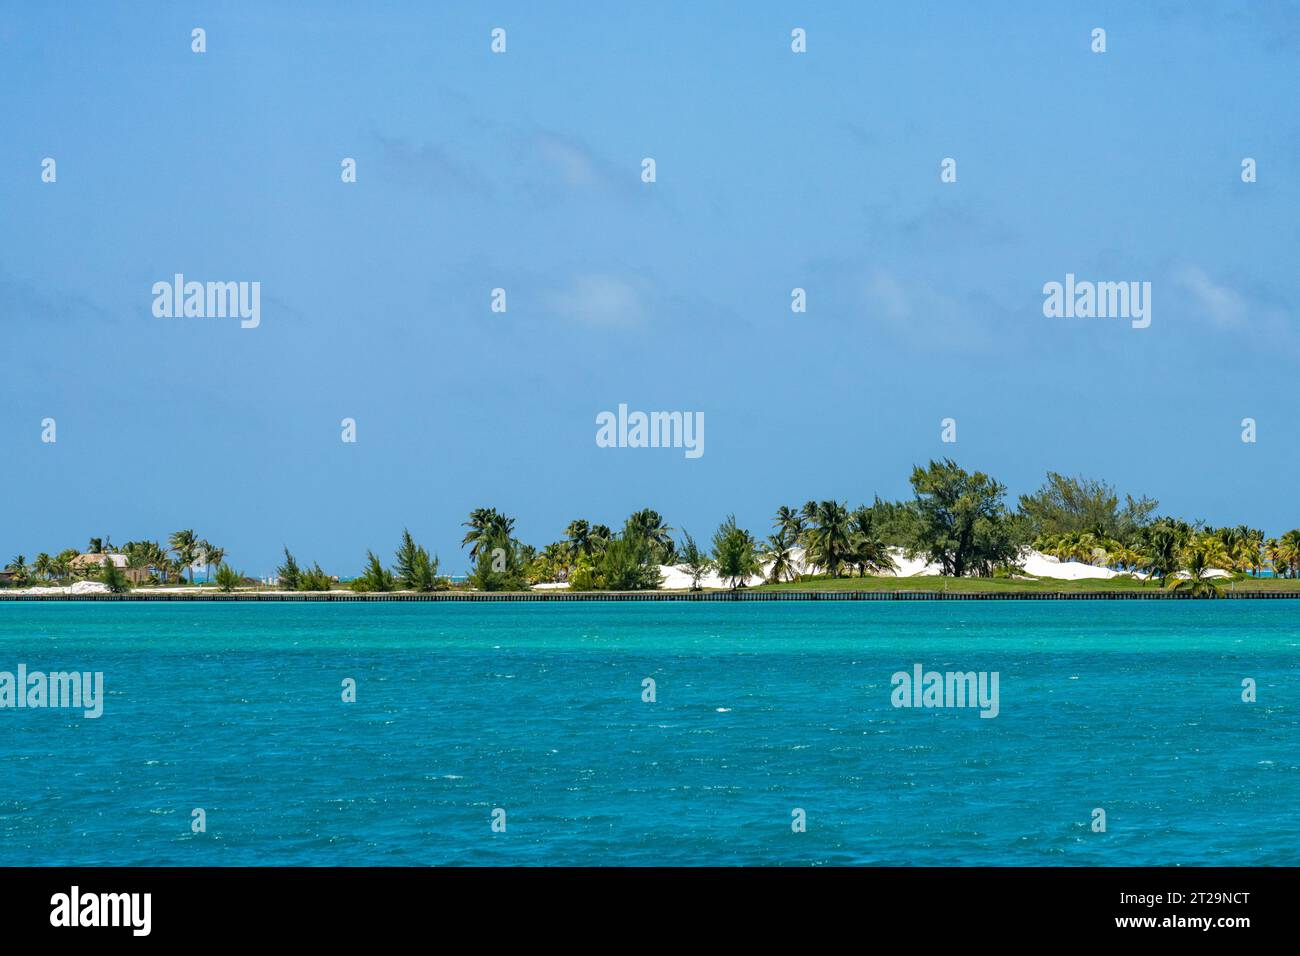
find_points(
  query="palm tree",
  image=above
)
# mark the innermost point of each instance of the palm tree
(212, 555)
(1286, 554)
(95, 546)
(1161, 553)
(1199, 557)
(485, 525)
(828, 539)
(601, 536)
(808, 514)
(63, 563)
(578, 538)
(185, 545)
(791, 522)
(44, 566)
(866, 551)
(18, 567)
(778, 552)
(649, 525)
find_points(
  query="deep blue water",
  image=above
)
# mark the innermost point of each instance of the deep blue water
(462, 708)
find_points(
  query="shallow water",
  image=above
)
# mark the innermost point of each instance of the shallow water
(1133, 707)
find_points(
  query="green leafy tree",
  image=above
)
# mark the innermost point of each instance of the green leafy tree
(629, 562)
(497, 566)
(228, 578)
(314, 579)
(962, 522)
(424, 572)
(694, 560)
(409, 563)
(376, 576)
(583, 576)
(289, 574)
(735, 553)
(111, 575)
(1067, 504)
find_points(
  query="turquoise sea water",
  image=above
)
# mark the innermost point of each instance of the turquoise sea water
(761, 708)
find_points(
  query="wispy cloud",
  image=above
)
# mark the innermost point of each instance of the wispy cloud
(601, 299)
(429, 167)
(1223, 306)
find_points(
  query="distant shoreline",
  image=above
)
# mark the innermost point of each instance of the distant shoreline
(295, 597)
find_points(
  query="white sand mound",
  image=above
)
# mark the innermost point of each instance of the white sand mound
(81, 587)
(1045, 566)
(1033, 563)
(89, 587)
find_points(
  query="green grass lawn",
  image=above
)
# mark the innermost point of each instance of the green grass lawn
(1007, 585)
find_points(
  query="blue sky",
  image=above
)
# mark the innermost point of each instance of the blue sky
(522, 171)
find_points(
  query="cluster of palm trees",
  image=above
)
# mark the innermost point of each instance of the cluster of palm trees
(590, 555)
(832, 537)
(1167, 546)
(184, 550)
